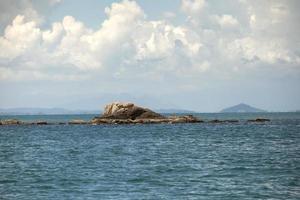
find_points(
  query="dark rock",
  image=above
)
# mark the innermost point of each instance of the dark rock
(259, 120)
(216, 121)
(41, 123)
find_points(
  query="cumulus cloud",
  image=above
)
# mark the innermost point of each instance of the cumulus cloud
(226, 21)
(19, 37)
(193, 7)
(252, 49)
(10, 9)
(127, 43)
(124, 38)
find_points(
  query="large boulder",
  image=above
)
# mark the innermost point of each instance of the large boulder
(119, 110)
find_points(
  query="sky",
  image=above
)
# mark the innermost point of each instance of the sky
(201, 55)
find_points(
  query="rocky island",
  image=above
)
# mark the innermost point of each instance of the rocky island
(129, 113)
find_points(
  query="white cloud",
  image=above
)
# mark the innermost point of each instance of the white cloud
(227, 21)
(54, 2)
(125, 38)
(19, 38)
(127, 43)
(169, 15)
(192, 7)
(267, 51)
(158, 40)
(10, 9)
(53, 36)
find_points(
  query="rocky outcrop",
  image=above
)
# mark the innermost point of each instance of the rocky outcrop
(128, 113)
(10, 122)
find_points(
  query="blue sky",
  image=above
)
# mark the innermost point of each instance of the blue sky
(186, 54)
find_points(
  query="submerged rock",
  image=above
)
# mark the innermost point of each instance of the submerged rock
(231, 120)
(128, 113)
(215, 121)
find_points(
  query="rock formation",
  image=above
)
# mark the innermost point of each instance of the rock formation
(10, 122)
(128, 113)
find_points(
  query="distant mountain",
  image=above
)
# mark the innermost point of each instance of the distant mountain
(173, 111)
(241, 108)
(63, 111)
(45, 111)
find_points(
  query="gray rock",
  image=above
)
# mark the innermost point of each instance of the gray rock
(128, 111)
(77, 121)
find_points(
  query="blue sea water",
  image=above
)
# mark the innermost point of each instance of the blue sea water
(152, 161)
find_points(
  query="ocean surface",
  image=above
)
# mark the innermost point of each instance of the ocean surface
(152, 161)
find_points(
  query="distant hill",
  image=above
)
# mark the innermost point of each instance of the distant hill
(241, 108)
(63, 111)
(173, 111)
(45, 111)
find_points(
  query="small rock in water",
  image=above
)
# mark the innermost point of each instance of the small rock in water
(215, 121)
(259, 120)
(41, 123)
(77, 121)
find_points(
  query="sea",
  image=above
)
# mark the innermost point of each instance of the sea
(152, 161)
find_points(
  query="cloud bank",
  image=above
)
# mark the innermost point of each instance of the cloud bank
(127, 43)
